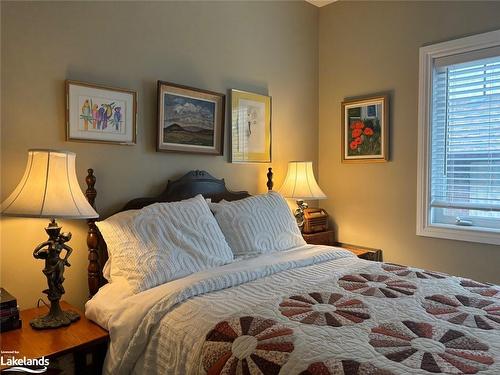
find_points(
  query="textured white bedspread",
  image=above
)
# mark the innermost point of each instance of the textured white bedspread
(314, 309)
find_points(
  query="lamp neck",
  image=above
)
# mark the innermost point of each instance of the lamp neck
(53, 229)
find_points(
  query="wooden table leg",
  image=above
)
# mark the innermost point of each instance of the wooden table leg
(98, 354)
(80, 360)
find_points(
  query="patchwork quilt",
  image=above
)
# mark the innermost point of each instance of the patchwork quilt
(314, 310)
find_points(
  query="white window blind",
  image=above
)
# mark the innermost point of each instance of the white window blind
(465, 144)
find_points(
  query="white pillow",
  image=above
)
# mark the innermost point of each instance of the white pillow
(106, 270)
(163, 242)
(258, 224)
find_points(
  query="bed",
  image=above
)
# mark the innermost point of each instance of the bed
(309, 309)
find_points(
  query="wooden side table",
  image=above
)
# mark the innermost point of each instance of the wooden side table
(363, 252)
(320, 238)
(83, 338)
(327, 238)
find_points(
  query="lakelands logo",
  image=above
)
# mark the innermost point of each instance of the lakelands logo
(23, 364)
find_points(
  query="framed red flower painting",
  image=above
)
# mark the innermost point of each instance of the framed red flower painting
(365, 129)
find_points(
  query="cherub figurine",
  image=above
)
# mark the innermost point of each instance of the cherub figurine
(50, 250)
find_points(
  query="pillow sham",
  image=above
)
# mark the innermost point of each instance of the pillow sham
(106, 270)
(258, 224)
(164, 242)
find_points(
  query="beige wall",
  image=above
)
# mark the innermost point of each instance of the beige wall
(368, 47)
(266, 47)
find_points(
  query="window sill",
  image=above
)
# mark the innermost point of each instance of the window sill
(468, 234)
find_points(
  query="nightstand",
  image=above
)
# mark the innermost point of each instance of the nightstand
(367, 253)
(320, 238)
(327, 238)
(84, 339)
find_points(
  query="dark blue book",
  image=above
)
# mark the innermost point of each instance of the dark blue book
(7, 300)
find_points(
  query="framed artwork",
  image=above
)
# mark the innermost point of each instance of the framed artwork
(190, 119)
(96, 113)
(251, 127)
(365, 130)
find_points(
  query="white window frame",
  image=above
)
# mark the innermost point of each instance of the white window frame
(426, 66)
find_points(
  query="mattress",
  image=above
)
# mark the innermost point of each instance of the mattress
(309, 310)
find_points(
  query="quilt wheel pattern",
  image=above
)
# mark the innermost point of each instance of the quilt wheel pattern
(484, 289)
(332, 309)
(247, 345)
(429, 347)
(376, 285)
(467, 311)
(405, 271)
(346, 367)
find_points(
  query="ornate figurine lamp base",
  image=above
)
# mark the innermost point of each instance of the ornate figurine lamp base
(50, 250)
(299, 213)
(55, 318)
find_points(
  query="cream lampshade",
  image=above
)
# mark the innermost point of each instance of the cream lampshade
(301, 185)
(49, 188)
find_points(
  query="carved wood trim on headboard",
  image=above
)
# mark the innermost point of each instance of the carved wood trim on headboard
(94, 271)
(191, 184)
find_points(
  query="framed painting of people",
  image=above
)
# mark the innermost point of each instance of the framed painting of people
(250, 127)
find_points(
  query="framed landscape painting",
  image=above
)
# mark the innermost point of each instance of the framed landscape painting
(251, 127)
(190, 119)
(365, 129)
(96, 113)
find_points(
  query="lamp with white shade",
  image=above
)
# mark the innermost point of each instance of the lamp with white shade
(50, 189)
(300, 184)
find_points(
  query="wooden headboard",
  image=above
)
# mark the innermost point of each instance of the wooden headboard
(188, 186)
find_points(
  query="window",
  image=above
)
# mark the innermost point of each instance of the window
(459, 140)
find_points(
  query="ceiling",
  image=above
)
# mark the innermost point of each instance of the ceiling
(321, 3)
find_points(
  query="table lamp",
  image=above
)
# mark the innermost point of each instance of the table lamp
(301, 185)
(49, 188)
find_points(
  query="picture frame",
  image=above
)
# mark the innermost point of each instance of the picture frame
(100, 114)
(251, 134)
(365, 129)
(190, 119)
